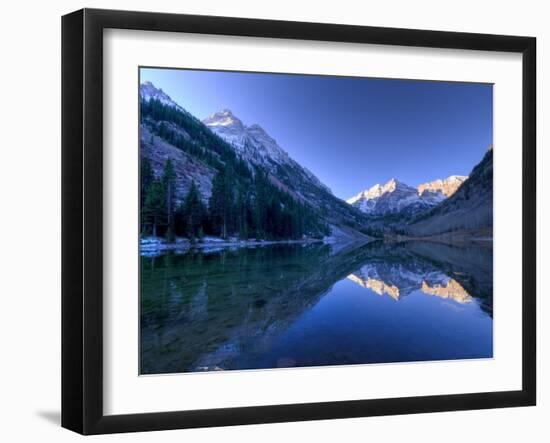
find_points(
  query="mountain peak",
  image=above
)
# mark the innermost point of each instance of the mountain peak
(224, 117)
(148, 91)
(391, 197)
(255, 145)
(393, 182)
(148, 86)
(394, 195)
(447, 186)
(376, 191)
(256, 127)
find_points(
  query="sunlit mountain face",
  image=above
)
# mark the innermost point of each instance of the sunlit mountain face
(377, 286)
(447, 186)
(398, 278)
(396, 197)
(451, 290)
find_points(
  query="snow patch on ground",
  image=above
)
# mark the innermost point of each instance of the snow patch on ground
(155, 246)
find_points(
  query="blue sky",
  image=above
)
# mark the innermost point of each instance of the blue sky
(350, 132)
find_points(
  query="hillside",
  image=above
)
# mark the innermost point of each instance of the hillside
(470, 208)
(196, 182)
(258, 149)
(225, 178)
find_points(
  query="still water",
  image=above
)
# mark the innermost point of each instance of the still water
(292, 305)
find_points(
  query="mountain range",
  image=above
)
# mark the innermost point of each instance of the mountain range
(200, 149)
(396, 197)
(250, 144)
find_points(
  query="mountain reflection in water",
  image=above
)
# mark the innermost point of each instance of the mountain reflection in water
(436, 283)
(292, 305)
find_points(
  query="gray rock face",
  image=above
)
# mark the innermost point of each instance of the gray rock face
(255, 145)
(187, 168)
(258, 148)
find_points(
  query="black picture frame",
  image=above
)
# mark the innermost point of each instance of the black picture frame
(82, 218)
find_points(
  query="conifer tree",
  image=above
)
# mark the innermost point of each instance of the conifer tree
(244, 201)
(194, 212)
(146, 178)
(169, 185)
(221, 205)
(153, 211)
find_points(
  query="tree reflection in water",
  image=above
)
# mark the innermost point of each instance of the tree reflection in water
(314, 304)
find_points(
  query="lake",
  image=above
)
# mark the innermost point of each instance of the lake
(297, 305)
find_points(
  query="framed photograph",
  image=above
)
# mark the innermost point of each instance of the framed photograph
(269, 221)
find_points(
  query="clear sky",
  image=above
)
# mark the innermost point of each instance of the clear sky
(350, 132)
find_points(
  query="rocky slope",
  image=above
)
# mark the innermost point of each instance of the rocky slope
(200, 149)
(470, 208)
(188, 169)
(258, 148)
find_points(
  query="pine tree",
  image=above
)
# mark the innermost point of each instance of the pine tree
(244, 200)
(216, 203)
(242, 210)
(194, 212)
(222, 206)
(146, 178)
(169, 184)
(180, 220)
(260, 203)
(153, 212)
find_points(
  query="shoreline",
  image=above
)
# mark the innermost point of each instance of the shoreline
(157, 245)
(152, 245)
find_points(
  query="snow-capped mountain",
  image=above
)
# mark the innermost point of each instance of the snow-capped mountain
(258, 148)
(148, 91)
(390, 198)
(197, 147)
(397, 197)
(254, 144)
